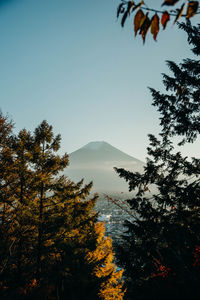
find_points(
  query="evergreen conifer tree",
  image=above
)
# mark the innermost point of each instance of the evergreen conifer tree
(22, 194)
(54, 248)
(161, 249)
(46, 165)
(7, 181)
(18, 231)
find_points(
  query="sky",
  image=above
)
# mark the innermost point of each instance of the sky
(71, 63)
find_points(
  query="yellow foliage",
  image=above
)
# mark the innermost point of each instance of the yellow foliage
(112, 288)
(48, 243)
(33, 283)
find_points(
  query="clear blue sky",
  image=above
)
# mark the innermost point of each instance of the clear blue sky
(71, 63)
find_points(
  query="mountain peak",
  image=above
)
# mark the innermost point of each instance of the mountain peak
(96, 160)
(100, 152)
(96, 145)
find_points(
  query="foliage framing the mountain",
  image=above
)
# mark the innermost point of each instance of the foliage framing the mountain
(180, 108)
(142, 22)
(161, 250)
(48, 229)
(113, 287)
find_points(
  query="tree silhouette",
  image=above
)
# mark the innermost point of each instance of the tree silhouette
(160, 252)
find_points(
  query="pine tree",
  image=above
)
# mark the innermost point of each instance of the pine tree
(56, 248)
(46, 165)
(80, 258)
(7, 180)
(6, 164)
(16, 226)
(179, 108)
(161, 250)
(67, 229)
(24, 195)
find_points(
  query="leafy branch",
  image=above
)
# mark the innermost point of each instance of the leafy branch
(141, 21)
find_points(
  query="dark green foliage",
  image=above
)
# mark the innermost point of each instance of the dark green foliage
(180, 109)
(161, 249)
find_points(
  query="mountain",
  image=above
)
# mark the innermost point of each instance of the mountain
(95, 162)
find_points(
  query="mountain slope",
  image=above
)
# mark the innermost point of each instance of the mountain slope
(95, 162)
(97, 152)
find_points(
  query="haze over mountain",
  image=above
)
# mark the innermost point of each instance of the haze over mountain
(95, 162)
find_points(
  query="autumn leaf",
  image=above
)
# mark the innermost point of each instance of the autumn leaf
(170, 2)
(164, 19)
(145, 27)
(138, 20)
(179, 13)
(120, 9)
(125, 15)
(192, 9)
(155, 26)
(142, 23)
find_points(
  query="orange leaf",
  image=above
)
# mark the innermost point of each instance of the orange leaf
(138, 20)
(192, 9)
(165, 18)
(179, 13)
(145, 27)
(155, 26)
(169, 2)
